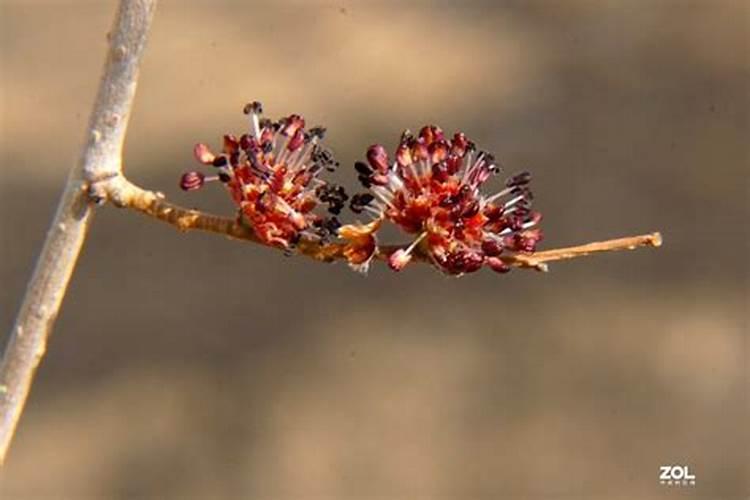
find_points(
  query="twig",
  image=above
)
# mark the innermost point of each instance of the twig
(100, 160)
(125, 194)
(629, 243)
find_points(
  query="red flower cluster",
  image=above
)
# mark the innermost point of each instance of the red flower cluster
(431, 190)
(271, 174)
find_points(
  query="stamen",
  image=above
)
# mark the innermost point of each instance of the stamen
(253, 110)
(499, 194)
(398, 259)
(513, 201)
(383, 195)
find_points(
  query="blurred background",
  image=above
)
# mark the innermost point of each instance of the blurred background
(191, 366)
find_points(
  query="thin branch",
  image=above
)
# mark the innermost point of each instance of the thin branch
(125, 194)
(538, 259)
(100, 160)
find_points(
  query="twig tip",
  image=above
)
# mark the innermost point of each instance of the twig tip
(656, 239)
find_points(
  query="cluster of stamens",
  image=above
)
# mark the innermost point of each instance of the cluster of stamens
(431, 190)
(272, 174)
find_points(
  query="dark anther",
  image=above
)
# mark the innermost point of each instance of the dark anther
(520, 179)
(362, 168)
(332, 224)
(365, 198)
(251, 107)
(318, 132)
(366, 181)
(326, 227)
(324, 157)
(224, 177)
(265, 123)
(341, 192)
(220, 161)
(360, 201)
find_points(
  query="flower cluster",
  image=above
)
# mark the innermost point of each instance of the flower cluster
(431, 190)
(272, 175)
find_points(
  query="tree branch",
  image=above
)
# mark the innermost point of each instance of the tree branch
(125, 194)
(100, 160)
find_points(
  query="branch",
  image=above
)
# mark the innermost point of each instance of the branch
(125, 194)
(539, 260)
(100, 160)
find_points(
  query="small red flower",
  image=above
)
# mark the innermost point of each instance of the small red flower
(431, 190)
(271, 173)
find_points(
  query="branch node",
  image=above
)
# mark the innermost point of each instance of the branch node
(119, 53)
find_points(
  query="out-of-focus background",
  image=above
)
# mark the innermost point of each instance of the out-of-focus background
(191, 366)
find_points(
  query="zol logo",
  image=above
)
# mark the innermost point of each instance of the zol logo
(676, 475)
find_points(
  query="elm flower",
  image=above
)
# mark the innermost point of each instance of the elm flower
(272, 175)
(431, 190)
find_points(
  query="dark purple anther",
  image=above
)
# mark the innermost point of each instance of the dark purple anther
(520, 179)
(190, 181)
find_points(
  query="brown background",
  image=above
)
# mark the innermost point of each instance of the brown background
(190, 366)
